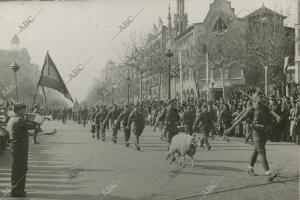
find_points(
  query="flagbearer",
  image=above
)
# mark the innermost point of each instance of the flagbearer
(18, 127)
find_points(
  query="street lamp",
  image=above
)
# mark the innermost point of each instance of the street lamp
(15, 67)
(128, 84)
(169, 54)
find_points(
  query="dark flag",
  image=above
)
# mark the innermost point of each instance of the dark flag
(51, 78)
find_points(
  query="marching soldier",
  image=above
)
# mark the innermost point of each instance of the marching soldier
(94, 122)
(64, 115)
(124, 116)
(136, 122)
(205, 120)
(171, 120)
(188, 118)
(100, 122)
(84, 115)
(113, 116)
(261, 118)
(18, 130)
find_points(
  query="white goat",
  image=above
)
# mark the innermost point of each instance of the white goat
(182, 144)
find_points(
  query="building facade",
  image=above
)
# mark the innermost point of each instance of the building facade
(194, 74)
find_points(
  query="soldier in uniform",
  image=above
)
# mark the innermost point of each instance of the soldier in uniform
(124, 116)
(205, 120)
(188, 118)
(113, 116)
(261, 118)
(64, 115)
(171, 120)
(100, 121)
(136, 122)
(94, 121)
(225, 119)
(18, 130)
(84, 115)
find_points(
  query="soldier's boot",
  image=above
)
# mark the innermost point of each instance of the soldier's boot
(114, 135)
(137, 147)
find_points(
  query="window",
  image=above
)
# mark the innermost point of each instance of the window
(220, 26)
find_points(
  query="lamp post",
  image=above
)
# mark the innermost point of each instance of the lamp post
(15, 67)
(128, 85)
(169, 54)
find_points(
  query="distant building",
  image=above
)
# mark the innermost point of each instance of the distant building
(15, 43)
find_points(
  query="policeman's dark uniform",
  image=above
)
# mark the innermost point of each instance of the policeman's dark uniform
(171, 120)
(18, 127)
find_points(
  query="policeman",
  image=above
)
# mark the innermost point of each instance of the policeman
(188, 118)
(261, 118)
(136, 122)
(18, 131)
(171, 120)
(124, 116)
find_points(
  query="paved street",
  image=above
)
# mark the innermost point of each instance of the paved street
(141, 175)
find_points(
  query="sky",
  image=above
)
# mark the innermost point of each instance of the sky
(76, 32)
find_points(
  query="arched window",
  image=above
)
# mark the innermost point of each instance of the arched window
(220, 26)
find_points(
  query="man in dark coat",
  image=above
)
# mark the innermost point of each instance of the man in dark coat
(18, 127)
(188, 118)
(171, 120)
(136, 122)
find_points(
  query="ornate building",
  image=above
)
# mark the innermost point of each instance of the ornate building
(197, 75)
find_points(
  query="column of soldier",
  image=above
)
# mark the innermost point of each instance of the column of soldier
(256, 118)
(251, 115)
